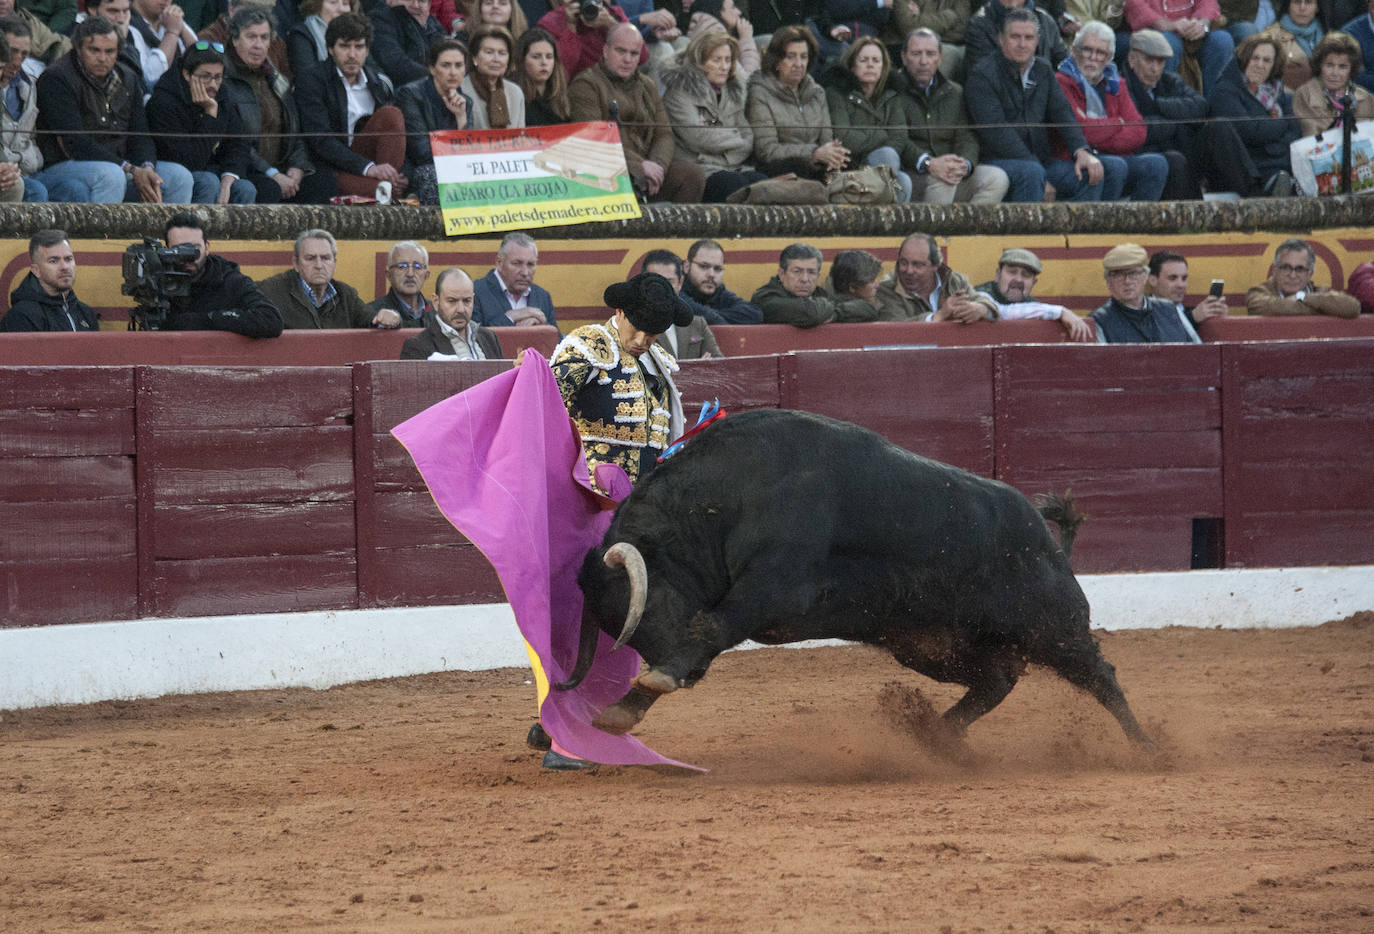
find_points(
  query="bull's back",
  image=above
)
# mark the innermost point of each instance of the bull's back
(813, 481)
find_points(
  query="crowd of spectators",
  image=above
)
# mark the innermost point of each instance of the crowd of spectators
(267, 101)
(1145, 300)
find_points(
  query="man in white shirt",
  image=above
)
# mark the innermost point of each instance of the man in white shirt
(1017, 271)
(158, 30)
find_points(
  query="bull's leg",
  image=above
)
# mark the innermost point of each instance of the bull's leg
(988, 687)
(1083, 666)
(624, 714)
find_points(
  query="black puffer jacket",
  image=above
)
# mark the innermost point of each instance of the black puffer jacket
(33, 309)
(224, 299)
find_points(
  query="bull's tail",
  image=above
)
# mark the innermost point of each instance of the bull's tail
(1060, 511)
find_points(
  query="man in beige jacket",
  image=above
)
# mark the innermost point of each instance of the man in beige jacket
(923, 288)
(1289, 289)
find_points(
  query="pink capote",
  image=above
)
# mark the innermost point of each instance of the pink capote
(504, 464)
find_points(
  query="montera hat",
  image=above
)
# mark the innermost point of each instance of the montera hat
(1019, 257)
(1126, 256)
(649, 303)
(1152, 43)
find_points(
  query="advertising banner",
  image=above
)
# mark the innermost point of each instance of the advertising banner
(492, 180)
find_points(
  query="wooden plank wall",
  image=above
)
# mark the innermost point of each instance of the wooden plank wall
(159, 491)
(245, 490)
(1299, 442)
(68, 520)
(1135, 432)
(409, 553)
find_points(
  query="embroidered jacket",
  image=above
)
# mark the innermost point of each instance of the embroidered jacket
(622, 417)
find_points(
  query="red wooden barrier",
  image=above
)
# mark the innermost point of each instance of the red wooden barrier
(245, 490)
(743, 339)
(68, 523)
(1135, 432)
(217, 348)
(1299, 439)
(937, 402)
(280, 488)
(408, 553)
(1298, 327)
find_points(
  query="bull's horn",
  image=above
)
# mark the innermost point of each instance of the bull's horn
(627, 556)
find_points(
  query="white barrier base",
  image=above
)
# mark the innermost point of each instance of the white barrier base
(86, 662)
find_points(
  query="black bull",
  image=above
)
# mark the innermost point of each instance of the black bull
(783, 526)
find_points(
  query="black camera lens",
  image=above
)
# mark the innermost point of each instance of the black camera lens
(589, 10)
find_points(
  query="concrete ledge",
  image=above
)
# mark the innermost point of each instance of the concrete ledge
(721, 221)
(87, 662)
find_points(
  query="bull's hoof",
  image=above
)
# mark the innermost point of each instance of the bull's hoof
(656, 682)
(618, 718)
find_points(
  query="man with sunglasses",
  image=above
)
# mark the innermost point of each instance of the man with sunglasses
(194, 125)
(1289, 289)
(407, 270)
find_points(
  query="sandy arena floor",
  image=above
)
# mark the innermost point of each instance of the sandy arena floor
(413, 805)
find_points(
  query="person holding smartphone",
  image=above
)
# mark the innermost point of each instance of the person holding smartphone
(1169, 280)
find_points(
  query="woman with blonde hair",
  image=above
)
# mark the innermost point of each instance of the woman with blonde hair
(1319, 103)
(539, 72)
(705, 97)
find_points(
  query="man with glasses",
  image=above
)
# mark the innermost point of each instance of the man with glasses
(1130, 316)
(507, 295)
(407, 270)
(705, 287)
(96, 143)
(1289, 289)
(194, 125)
(1102, 104)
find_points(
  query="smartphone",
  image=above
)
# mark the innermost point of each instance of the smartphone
(1217, 286)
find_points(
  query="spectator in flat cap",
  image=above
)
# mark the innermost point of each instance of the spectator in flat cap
(1130, 316)
(1010, 290)
(618, 384)
(1172, 111)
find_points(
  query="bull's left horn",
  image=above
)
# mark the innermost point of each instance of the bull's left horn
(627, 556)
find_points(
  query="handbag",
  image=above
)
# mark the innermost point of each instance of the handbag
(872, 184)
(1316, 161)
(785, 189)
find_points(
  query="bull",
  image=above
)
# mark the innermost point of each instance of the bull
(782, 526)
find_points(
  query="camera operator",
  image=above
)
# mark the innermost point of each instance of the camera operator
(580, 29)
(221, 297)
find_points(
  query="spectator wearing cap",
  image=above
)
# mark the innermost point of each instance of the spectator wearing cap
(1172, 111)
(1010, 290)
(1130, 316)
(1186, 21)
(618, 384)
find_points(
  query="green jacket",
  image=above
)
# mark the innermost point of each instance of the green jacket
(938, 122)
(782, 307)
(864, 125)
